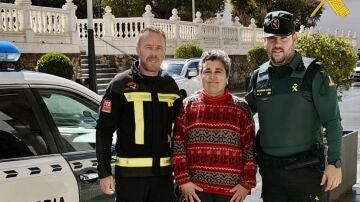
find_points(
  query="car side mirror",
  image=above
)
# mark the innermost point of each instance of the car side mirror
(88, 114)
(192, 73)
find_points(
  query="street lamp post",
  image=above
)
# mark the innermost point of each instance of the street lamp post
(91, 47)
(193, 9)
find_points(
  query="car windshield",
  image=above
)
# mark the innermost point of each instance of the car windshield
(173, 69)
(358, 64)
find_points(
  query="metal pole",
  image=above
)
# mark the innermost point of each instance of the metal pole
(193, 9)
(91, 48)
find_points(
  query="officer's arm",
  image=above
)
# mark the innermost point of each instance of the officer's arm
(106, 126)
(326, 103)
(250, 94)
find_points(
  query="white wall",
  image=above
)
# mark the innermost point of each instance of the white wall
(351, 22)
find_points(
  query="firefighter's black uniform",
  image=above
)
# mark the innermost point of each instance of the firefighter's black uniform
(141, 109)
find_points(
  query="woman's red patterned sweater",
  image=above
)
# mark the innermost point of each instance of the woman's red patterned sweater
(213, 143)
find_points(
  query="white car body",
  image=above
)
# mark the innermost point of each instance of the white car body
(179, 69)
(59, 174)
(356, 74)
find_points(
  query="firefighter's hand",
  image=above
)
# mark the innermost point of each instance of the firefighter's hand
(189, 191)
(332, 177)
(107, 185)
(240, 193)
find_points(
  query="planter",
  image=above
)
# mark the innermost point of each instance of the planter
(349, 163)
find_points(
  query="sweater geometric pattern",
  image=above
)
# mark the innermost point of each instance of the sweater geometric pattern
(213, 144)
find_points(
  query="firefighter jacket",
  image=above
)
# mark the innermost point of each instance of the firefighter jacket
(141, 109)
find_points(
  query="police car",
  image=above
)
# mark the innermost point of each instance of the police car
(47, 137)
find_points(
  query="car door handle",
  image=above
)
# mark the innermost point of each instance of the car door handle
(89, 177)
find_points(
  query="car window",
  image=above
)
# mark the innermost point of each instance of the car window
(74, 116)
(194, 65)
(20, 134)
(173, 69)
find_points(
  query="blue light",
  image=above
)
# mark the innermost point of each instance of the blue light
(8, 52)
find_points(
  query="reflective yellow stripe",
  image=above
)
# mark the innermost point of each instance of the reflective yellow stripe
(141, 162)
(169, 98)
(138, 98)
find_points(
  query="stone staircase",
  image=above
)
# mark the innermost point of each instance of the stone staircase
(104, 74)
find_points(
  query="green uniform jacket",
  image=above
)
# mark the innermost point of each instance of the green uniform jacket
(294, 102)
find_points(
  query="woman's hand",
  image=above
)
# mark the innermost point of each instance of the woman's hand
(189, 191)
(240, 193)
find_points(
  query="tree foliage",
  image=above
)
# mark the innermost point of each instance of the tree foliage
(188, 50)
(336, 53)
(256, 56)
(162, 8)
(257, 9)
(57, 64)
(81, 11)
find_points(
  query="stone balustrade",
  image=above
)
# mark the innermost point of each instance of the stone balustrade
(42, 29)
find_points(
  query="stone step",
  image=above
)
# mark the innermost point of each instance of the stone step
(98, 66)
(100, 70)
(100, 75)
(101, 91)
(103, 80)
(102, 86)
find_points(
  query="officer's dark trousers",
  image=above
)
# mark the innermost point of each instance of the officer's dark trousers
(298, 185)
(145, 189)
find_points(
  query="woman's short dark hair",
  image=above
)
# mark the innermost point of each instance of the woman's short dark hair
(216, 55)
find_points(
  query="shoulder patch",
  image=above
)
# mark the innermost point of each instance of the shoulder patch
(106, 106)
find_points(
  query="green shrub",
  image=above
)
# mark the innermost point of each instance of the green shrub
(337, 54)
(57, 64)
(188, 50)
(257, 56)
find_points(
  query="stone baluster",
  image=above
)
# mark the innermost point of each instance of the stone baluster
(148, 16)
(24, 6)
(108, 24)
(70, 24)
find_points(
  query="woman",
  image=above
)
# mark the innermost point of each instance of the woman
(213, 139)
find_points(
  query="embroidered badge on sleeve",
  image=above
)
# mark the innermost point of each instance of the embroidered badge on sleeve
(106, 106)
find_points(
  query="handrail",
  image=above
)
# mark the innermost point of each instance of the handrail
(116, 48)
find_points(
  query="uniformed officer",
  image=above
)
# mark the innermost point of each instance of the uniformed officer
(295, 99)
(140, 104)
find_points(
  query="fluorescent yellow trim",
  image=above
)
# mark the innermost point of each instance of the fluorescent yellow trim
(169, 98)
(139, 122)
(141, 162)
(138, 98)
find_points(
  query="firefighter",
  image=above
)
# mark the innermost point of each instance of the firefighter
(140, 104)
